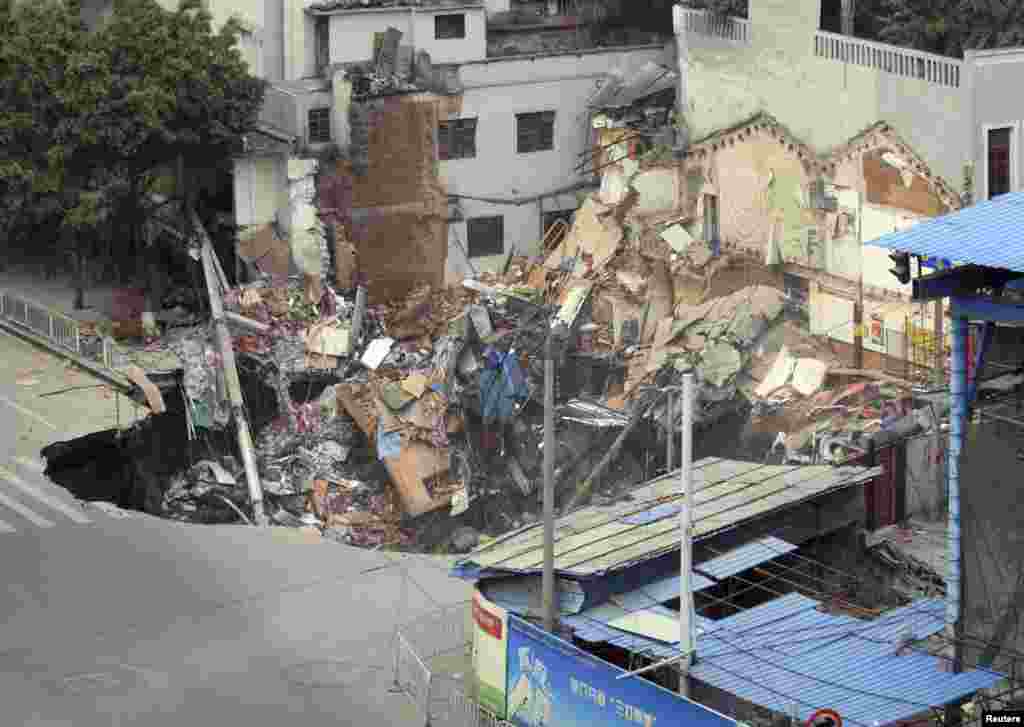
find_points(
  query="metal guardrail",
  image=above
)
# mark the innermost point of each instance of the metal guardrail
(56, 327)
(60, 331)
(441, 701)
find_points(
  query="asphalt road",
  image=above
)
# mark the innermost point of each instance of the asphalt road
(124, 619)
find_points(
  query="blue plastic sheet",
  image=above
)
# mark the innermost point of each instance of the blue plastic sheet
(502, 385)
(389, 444)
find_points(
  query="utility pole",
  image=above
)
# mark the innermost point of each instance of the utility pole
(687, 635)
(233, 385)
(858, 307)
(669, 430)
(552, 351)
(955, 601)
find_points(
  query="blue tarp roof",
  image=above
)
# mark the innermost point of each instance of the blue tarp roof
(790, 652)
(787, 652)
(990, 233)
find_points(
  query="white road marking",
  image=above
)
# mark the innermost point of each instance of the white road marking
(27, 412)
(25, 512)
(33, 491)
(35, 465)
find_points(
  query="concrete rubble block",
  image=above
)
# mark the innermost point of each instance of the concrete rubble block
(809, 376)
(779, 374)
(720, 363)
(614, 186)
(657, 191)
(590, 235)
(677, 237)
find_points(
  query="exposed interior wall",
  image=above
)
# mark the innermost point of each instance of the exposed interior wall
(398, 205)
(779, 73)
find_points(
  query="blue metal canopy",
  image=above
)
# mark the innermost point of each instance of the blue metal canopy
(989, 233)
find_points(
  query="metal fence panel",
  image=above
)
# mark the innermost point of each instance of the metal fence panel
(412, 676)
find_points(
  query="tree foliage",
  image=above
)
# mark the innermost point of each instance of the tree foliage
(949, 27)
(88, 119)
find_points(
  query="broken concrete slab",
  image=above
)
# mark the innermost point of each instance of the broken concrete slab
(590, 235)
(809, 376)
(720, 363)
(614, 186)
(677, 237)
(779, 374)
(657, 191)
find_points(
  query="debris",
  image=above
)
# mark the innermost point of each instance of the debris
(376, 352)
(779, 375)
(677, 237)
(464, 539)
(809, 376)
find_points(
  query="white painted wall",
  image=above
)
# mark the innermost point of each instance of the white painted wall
(495, 91)
(471, 48)
(351, 33)
(990, 74)
(260, 189)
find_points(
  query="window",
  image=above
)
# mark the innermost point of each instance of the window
(323, 43)
(449, 26)
(319, 125)
(485, 236)
(456, 139)
(711, 221)
(535, 132)
(999, 158)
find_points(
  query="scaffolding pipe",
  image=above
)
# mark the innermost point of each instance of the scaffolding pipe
(958, 416)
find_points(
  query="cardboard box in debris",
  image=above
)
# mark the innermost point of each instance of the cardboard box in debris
(416, 375)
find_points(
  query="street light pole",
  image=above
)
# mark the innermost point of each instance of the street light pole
(552, 351)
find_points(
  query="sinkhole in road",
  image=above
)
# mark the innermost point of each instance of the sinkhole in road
(133, 467)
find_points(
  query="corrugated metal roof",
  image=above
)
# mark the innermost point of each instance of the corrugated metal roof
(596, 539)
(790, 651)
(520, 594)
(745, 557)
(787, 651)
(728, 564)
(990, 233)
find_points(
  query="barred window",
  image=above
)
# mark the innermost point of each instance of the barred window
(319, 125)
(485, 236)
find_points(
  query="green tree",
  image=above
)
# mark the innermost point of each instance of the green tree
(949, 27)
(91, 120)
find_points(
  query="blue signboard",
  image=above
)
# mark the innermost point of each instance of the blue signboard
(552, 683)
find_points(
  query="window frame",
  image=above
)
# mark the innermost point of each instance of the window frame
(713, 221)
(1014, 127)
(309, 124)
(488, 219)
(542, 115)
(451, 129)
(458, 34)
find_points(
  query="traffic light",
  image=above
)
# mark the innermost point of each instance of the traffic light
(901, 261)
